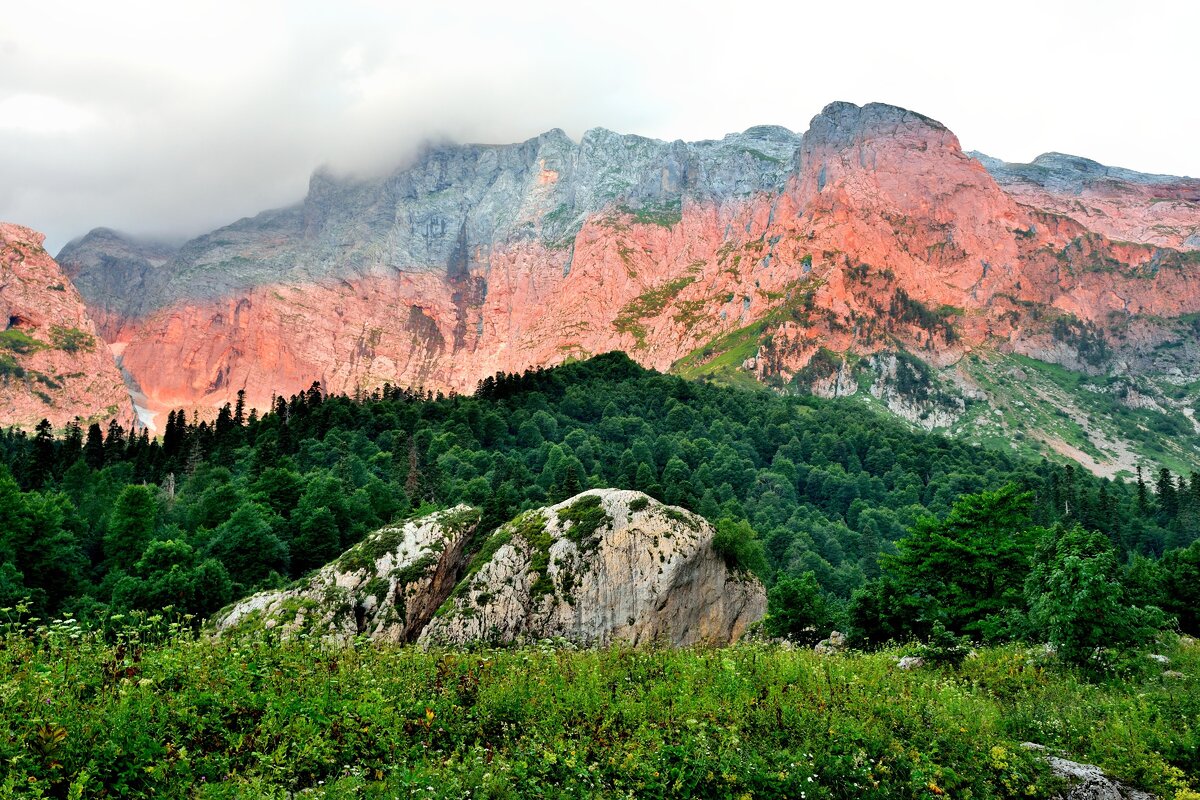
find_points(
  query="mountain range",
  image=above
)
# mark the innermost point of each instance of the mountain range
(1050, 307)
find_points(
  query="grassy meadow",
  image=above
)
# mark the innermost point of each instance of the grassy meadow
(154, 711)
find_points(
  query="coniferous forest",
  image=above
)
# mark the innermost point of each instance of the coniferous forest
(99, 521)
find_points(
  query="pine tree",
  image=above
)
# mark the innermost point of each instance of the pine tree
(114, 443)
(317, 541)
(130, 526)
(1143, 500)
(42, 469)
(93, 448)
(247, 547)
(1168, 501)
(72, 441)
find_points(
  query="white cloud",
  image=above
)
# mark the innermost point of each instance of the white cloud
(39, 114)
(165, 118)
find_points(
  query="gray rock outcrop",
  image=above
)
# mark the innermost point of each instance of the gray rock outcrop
(604, 566)
(386, 586)
(1087, 782)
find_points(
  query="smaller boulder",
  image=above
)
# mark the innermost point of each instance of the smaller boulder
(910, 662)
(836, 643)
(1086, 781)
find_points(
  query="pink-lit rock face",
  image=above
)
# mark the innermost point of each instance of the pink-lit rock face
(1121, 204)
(53, 362)
(874, 231)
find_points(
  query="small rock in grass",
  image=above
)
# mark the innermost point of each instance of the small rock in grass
(836, 643)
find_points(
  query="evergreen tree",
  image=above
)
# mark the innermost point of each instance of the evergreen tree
(1181, 587)
(114, 443)
(1168, 501)
(130, 526)
(317, 541)
(93, 448)
(970, 567)
(42, 469)
(1143, 500)
(248, 548)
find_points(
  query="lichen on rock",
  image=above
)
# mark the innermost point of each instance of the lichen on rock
(607, 565)
(386, 586)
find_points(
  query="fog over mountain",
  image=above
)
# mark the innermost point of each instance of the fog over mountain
(167, 121)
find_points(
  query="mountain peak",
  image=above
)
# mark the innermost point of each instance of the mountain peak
(11, 232)
(841, 119)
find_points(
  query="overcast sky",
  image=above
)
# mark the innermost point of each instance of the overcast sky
(169, 119)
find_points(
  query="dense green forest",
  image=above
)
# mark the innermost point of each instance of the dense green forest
(848, 513)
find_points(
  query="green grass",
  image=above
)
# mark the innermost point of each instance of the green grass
(649, 304)
(1167, 439)
(721, 359)
(164, 715)
(18, 341)
(666, 215)
(761, 156)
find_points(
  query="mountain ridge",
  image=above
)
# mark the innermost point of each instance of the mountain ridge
(748, 256)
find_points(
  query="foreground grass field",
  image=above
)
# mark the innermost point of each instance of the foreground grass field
(161, 714)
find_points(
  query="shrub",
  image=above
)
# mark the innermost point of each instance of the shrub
(738, 545)
(944, 647)
(796, 610)
(71, 340)
(1077, 602)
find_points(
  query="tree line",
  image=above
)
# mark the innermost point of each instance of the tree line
(822, 492)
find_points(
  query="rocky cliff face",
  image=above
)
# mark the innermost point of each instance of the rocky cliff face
(438, 274)
(53, 363)
(1119, 203)
(757, 255)
(604, 566)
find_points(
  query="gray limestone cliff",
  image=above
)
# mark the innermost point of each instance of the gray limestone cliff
(442, 213)
(1067, 173)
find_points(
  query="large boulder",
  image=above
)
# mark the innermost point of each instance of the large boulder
(386, 586)
(604, 566)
